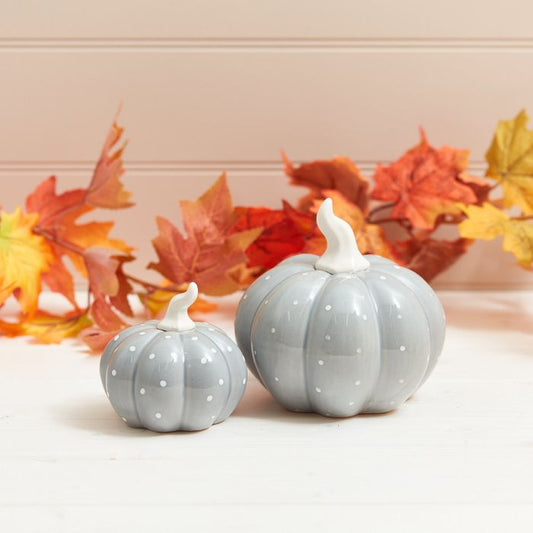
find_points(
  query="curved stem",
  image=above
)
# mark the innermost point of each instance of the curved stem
(342, 253)
(177, 316)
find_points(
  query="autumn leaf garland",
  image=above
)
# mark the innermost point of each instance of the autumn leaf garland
(225, 247)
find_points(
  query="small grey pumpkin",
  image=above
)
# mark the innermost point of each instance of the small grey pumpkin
(175, 374)
(343, 333)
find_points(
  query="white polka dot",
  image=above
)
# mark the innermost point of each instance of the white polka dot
(158, 415)
(400, 317)
(401, 381)
(209, 398)
(113, 372)
(116, 337)
(195, 338)
(295, 302)
(365, 317)
(265, 302)
(245, 296)
(133, 348)
(327, 337)
(359, 350)
(267, 277)
(167, 336)
(163, 383)
(142, 391)
(357, 383)
(230, 349)
(318, 389)
(151, 356)
(382, 277)
(320, 362)
(276, 378)
(402, 348)
(327, 307)
(273, 330)
(142, 333)
(203, 360)
(123, 419)
(221, 381)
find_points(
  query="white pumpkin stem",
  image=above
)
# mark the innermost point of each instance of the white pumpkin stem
(342, 253)
(177, 317)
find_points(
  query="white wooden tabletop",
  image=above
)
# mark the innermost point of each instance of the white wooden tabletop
(457, 457)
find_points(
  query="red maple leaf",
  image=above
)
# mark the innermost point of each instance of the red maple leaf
(429, 257)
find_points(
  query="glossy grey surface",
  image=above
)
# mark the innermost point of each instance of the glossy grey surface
(169, 380)
(340, 344)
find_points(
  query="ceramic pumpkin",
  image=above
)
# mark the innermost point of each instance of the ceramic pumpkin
(175, 374)
(343, 333)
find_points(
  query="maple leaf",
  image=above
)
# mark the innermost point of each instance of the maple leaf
(510, 159)
(339, 173)
(208, 252)
(429, 257)
(97, 339)
(280, 236)
(58, 214)
(370, 237)
(48, 328)
(24, 257)
(106, 189)
(487, 222)
(103, 270)
(424, 183)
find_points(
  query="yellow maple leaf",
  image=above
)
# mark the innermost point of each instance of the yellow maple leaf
(48, 328)
(24, 256)
(510, 159)
(488, 222)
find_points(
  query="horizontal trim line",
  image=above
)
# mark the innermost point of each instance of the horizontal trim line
(266, 43)
(178, 166)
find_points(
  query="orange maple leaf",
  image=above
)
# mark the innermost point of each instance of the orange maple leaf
(340, 174)
(46, 327)
(208, 252)
(106, 189)
(425, 183)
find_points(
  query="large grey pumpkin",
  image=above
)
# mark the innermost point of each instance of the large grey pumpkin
(343, 333)
(175, 374)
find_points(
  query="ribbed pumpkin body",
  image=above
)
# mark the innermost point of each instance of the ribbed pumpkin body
(170, 380)
(340, 344)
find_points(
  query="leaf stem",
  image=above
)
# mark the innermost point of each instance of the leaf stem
(377, 209)
(148, 285)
